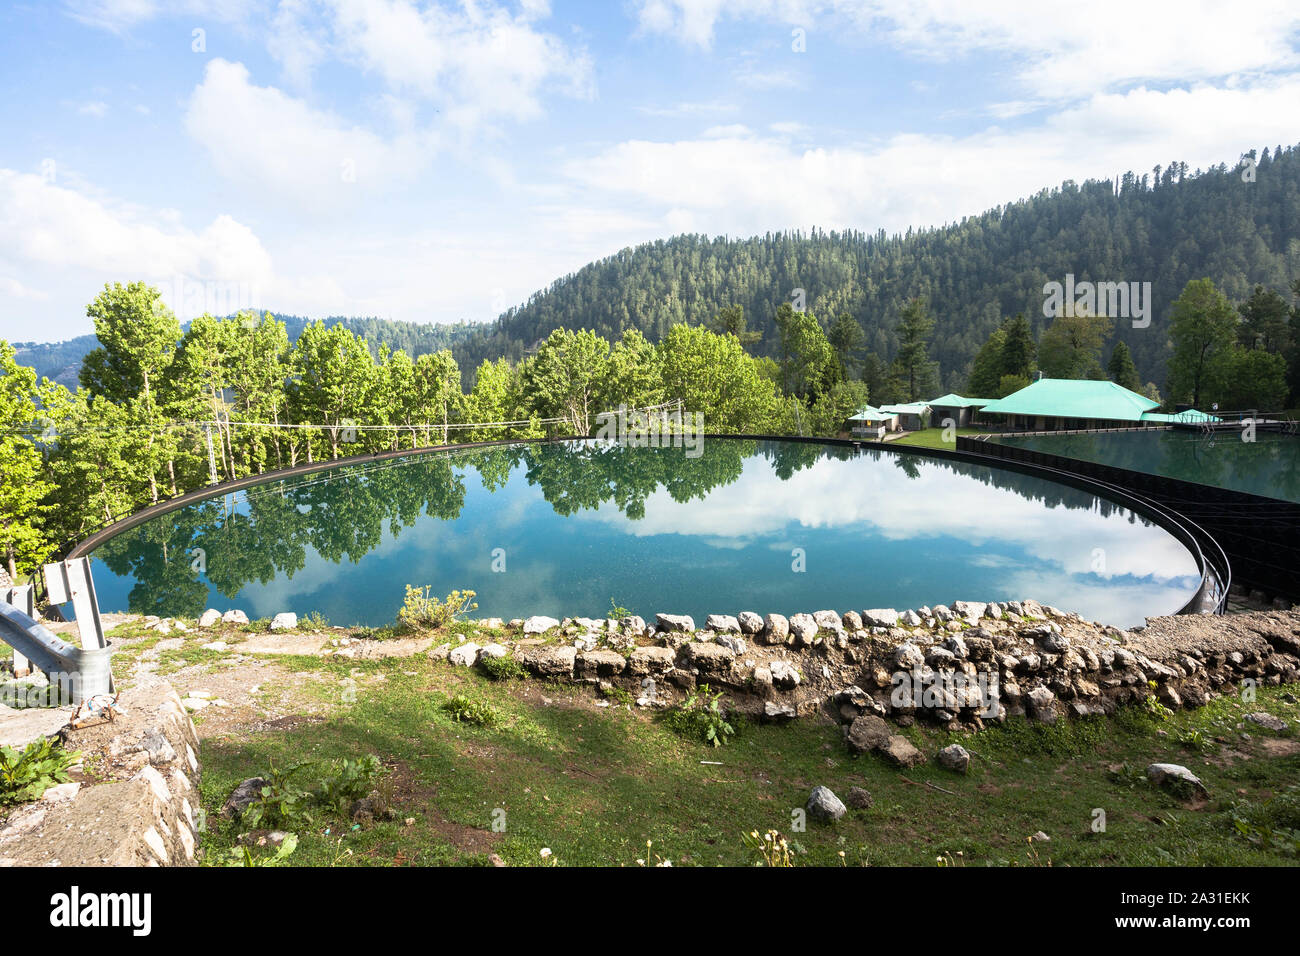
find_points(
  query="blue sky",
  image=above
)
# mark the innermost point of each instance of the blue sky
(442, 161)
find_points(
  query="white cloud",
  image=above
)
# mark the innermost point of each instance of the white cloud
(55, 233)
(476, 62)
(749, 184)
(1067, 49)
(120, 15)
(260, 135)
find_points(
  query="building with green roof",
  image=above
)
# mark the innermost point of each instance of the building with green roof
(872, 422)
(1060, 403)
(959, 408)
(912, 416)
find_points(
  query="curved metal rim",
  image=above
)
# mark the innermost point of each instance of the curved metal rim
(1187, 532)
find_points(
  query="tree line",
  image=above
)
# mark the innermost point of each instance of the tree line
(160, 409)
(1236, 357)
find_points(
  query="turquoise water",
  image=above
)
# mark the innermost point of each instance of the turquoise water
(1269, 465)
(561, 529)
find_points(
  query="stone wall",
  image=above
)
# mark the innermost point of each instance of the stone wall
(963, 665)
(135, 800)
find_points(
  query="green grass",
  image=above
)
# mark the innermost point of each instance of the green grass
(595, 784)
(933, 438)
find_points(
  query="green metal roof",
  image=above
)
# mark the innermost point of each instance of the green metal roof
(869, 413)
(958, 401)
(910, 408)
(1075, 398)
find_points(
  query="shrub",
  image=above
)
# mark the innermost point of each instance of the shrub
(347, 781)
(700, 716)
(284, 802)
(471, 710)
(27, 775)
(243, 856)
(1272, 824)
(420, 611)
(502, 668)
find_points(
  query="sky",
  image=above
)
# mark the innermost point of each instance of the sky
(443, 161)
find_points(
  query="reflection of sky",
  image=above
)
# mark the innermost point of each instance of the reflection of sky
(872, 537)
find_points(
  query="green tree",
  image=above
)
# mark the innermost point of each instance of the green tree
(1071, 346)
(986, 371)
(332, 384)
(1264, 321)
(730, 320)
(1202, 328)
(1121, 369)
(914, 371)
(712, 374)
(24, 543)
(846, 338)
(565, 377)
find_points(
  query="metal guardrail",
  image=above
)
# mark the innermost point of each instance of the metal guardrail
(78, 673)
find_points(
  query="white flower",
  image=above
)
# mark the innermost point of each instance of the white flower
(546, 851)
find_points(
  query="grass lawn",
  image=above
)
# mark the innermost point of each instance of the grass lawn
(595, 784)
(932, 438)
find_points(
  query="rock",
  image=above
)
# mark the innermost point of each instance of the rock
(784, 674)
(1055, 643)
(158, 748)
(824, 806)
(539, 624)
(908, 656)
(651, 660)
(993, 611)
(735, 644)
(1176, 779)
(722, 623)
(707, 655)
(1041, 837)
(633, 623)
(954, 757)
(1042, 704)
(942, 613)
(60, 792)
(899, 751)
(909, 619)
(679, 623)
(882, 617)
(776, 629)
(774, 711)
(803, 628)
(548, 661)
(969, 611)
(750, 623)
(215, 646)
(828, 620)
(247, 792)
(234, 617)
(466, 655)
(852, 621)
(285, 621)
(1267, 721)
(209, 617)
(859, 799)
(867, 733)
(493, 650)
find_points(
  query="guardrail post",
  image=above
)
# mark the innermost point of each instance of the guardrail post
(71, 581)
(22, 597)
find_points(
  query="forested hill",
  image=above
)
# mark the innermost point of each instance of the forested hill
(1163, 227)
(61, 361)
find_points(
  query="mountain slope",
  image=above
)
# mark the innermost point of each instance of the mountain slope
(1164, 228)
